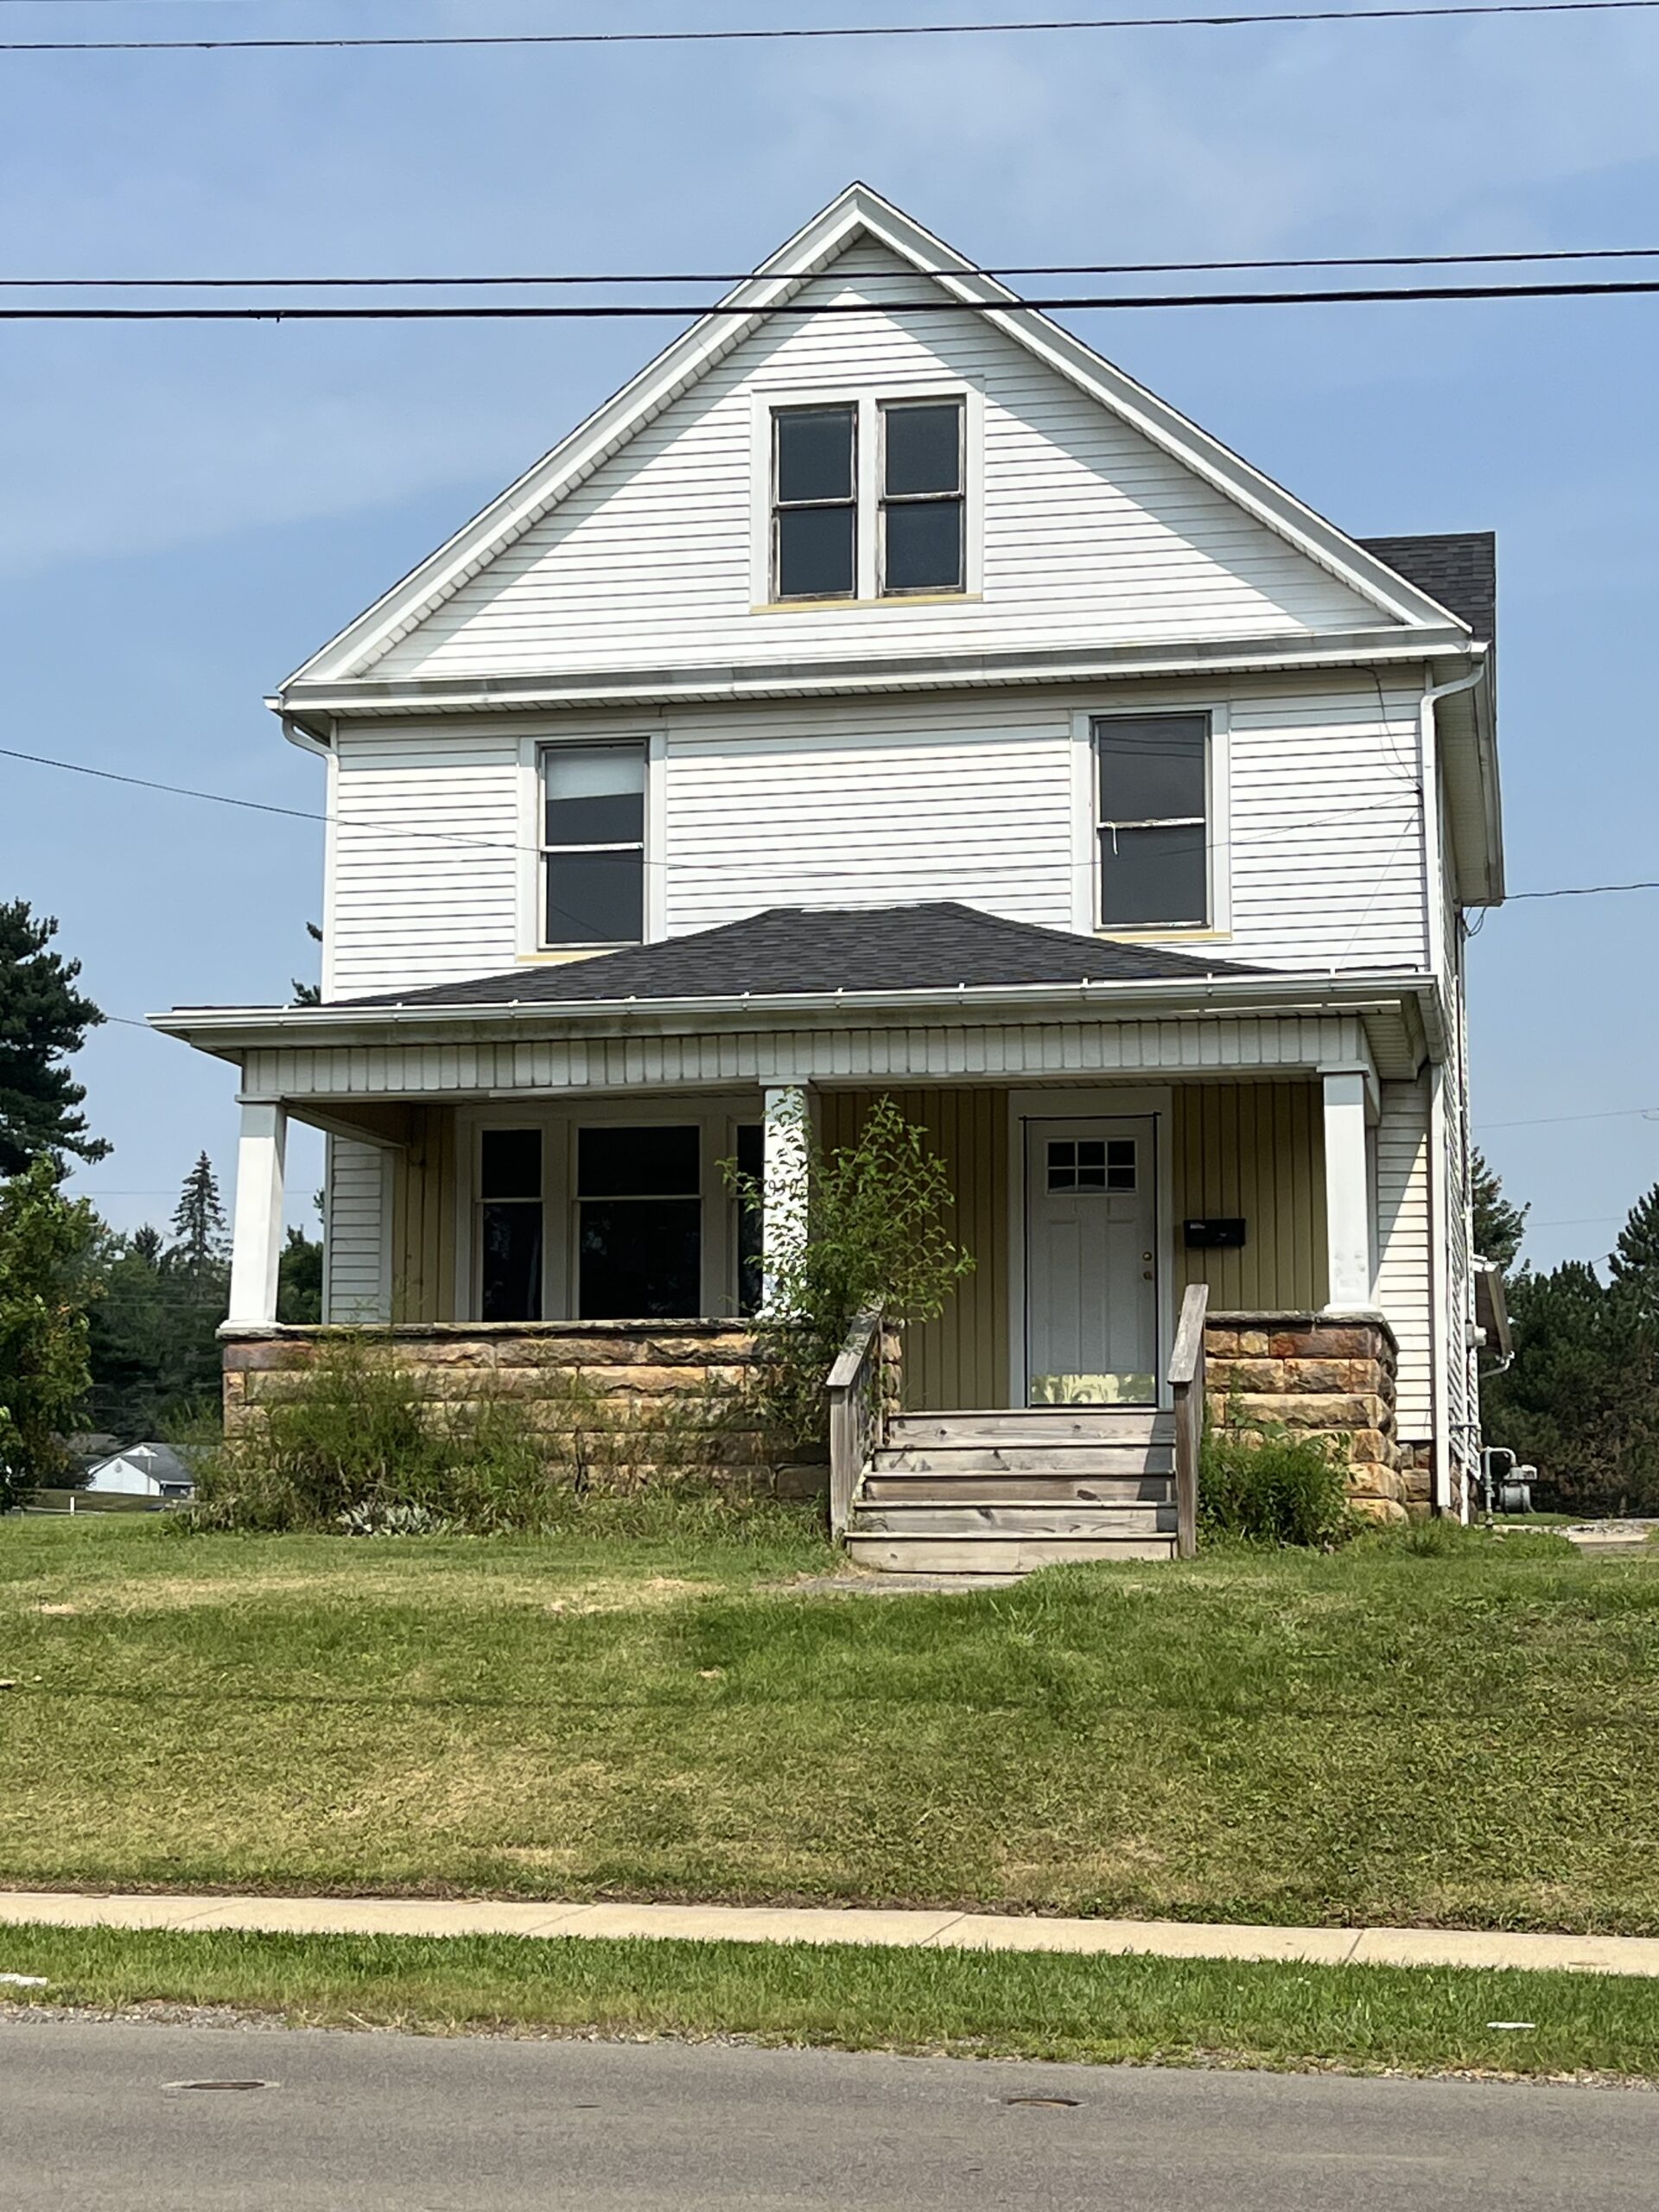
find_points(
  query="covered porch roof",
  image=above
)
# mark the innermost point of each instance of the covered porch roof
(930, 992)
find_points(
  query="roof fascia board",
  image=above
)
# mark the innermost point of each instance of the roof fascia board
(795, 263)
(761, 680)
(230, 1029)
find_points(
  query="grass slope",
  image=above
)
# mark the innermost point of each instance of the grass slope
(1371, 1737)
(1172, 2011)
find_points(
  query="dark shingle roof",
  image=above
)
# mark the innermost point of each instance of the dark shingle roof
(808, 951)
(1458, 567)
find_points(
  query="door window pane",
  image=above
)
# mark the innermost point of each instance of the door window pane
(817, 552)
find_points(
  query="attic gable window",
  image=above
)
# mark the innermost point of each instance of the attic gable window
(593, 844)
(923, 506)
(814, 503)
(1152, 779)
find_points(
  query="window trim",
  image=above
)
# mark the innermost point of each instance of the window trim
(1087, 821)
(885, 409)
(532, 946)
(868, 399)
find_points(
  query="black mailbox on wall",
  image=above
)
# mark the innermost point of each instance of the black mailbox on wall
(1216, 1232)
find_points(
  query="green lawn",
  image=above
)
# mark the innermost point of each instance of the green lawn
(1175, 2012)
(1370, 1736)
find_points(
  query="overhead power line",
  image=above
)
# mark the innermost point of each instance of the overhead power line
(637, 310)
(457, 837)
(748, 276)
(771, 33)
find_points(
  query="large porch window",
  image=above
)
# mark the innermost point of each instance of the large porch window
(638, 1222)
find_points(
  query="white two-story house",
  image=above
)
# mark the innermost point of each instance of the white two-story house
(883, 693)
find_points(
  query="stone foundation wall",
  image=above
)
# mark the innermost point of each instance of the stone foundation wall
(642, 1373)
(1310, 1372)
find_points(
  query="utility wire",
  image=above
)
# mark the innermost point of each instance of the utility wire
(1290, 829)
(635, 310)
(750, 276)
(1548, 1121)
(768, 34)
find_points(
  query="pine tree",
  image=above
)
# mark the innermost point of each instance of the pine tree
(201, 1244)
(42, 1019)
(1634, 1261)
(1499, 1227)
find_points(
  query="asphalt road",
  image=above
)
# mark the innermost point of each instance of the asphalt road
(369, 2122)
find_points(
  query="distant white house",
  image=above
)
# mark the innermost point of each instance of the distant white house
(142, 1471)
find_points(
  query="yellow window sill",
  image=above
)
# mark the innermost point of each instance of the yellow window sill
(895, 598)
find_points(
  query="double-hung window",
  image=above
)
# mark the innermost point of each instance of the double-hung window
(511, 1217)
(814, 503)
(593, 844)
(923, 503)
(1153, 782)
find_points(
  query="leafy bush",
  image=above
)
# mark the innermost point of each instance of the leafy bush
(873, 1238)
(1268, 1484)
(355, 1442)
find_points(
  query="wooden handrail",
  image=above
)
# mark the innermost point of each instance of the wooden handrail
(1186, 1381)
(856, 1390)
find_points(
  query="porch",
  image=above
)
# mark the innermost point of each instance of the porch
(547, 1169)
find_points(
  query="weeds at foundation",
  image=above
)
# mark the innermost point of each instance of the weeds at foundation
(357, 1443)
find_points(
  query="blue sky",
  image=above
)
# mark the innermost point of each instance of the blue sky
(190, 509)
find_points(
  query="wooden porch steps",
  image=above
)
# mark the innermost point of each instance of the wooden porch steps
(993, 1492)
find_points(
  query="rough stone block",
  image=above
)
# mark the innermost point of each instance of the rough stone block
(1388, 1510)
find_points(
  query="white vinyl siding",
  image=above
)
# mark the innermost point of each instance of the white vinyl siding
(357, 1242)
(870, 802)
(426, 856)
(1404, 1292)
(1091, 535)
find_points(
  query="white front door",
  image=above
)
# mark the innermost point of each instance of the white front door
(1091, 1274)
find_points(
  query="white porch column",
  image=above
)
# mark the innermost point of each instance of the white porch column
(1347, 1194)
(257, 1233)
(784, 1219)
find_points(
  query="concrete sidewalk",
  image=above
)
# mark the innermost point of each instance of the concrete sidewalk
(1169, 1938)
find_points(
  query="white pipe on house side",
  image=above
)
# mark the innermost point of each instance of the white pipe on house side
(784, 1179)
(257, 1228)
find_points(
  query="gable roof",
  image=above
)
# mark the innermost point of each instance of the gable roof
(1458, 567)
(857, 213)
(808, 952)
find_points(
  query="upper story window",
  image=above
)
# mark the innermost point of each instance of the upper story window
(814, 503)
(593, 844)
(923, 503)
(869, 498)
(1153, 776)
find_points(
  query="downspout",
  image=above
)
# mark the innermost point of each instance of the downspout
(1442, 1349)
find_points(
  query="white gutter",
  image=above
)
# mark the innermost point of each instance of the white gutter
(217, 1028)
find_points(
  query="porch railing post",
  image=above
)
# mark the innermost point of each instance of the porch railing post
(1186, 1382)
(856, 1387)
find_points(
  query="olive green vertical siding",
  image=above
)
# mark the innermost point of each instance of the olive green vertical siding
(961, 1359)
(1256, 1149)
(424, 1218)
